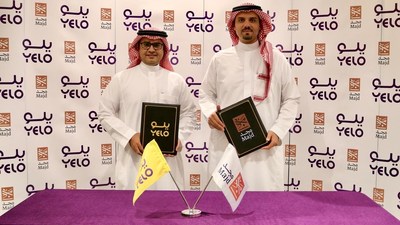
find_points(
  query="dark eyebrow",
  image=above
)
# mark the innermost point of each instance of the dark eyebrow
(158, 42)
(242, 17)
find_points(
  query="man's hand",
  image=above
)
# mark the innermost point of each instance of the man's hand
(215, 122)
(135, 144)
(178, 149)
(274, 140)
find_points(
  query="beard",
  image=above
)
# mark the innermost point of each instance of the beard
(247, 35)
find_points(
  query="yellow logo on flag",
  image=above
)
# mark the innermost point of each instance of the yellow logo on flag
(152, 167)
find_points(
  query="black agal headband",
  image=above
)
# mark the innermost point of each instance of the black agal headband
(152, 33)
(246, 7)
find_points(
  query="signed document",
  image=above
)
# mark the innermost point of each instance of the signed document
(243, 126)
(160, 122)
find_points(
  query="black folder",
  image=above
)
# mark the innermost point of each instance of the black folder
(243, 126)
(160, 122)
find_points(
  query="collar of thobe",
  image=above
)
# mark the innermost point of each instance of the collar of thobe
(147, 69)
(259, 94)
(248, 47)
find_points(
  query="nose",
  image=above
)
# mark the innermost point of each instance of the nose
(246, 23)
(151, 48)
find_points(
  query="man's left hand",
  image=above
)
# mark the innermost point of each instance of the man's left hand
(275, 140)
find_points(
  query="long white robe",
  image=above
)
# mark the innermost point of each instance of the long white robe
(232, 76)
(120, 115)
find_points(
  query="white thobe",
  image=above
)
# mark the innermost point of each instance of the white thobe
(120, 114)
(232, 76)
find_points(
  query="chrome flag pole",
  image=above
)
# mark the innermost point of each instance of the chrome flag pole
(180, 192)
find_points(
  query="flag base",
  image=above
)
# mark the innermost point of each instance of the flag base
(191, 212)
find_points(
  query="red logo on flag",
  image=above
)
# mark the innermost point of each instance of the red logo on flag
(237, 186)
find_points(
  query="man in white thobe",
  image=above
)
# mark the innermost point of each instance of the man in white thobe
(252, 67)
(149, 78)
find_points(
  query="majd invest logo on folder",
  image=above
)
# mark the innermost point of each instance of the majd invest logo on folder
(243, 126)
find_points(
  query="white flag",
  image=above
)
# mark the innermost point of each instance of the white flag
(228, 176)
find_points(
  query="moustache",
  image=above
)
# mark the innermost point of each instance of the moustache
(247, 29)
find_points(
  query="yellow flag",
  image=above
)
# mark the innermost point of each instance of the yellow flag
(152, 166)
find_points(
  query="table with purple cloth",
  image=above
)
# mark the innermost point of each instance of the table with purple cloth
(164, 207)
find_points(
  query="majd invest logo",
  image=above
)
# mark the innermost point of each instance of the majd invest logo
(41, 14)
(71, 184)
(195, 182)
(320, 51)
(237, 186)
(106, 154)
(7, 197)
(290, 155)
(5, 124)
(352, 159)
(69, 51)
(41, 86)
(355, 17)
(195, 54)
(384, 53)
(4, 49)
(70, 121)
(317, 185)
(354, 89)
(379, 195)
(43, 158)
(169, 19)
(293, 20)
(105, 18)
(319, 122)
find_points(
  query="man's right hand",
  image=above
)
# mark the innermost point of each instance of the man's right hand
(135, 144)
(215, 122)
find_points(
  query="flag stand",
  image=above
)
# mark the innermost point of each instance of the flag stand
(180, 192)
(193, 212)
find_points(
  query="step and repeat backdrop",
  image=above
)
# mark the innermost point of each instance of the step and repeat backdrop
(57, 57)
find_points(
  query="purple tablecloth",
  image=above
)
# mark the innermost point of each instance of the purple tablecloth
(164, 207)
